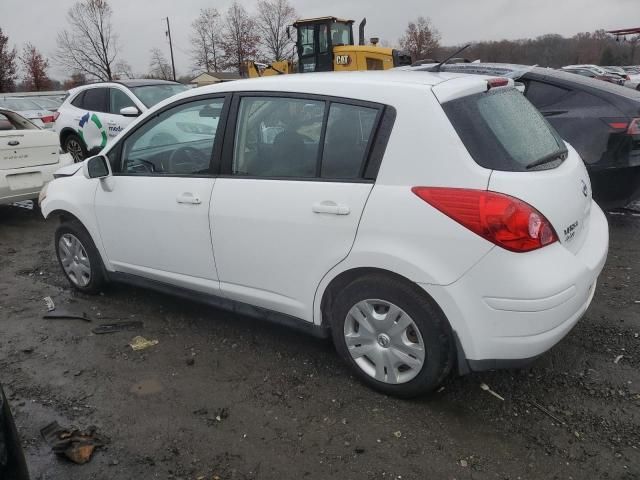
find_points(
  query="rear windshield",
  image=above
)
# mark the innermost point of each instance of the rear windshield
(503, 131)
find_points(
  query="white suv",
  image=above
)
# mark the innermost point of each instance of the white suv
(93, 115)
(428, 222)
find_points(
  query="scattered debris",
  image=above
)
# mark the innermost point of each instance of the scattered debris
(547, 412)
(359, 450)
(464, 463)
(486, 388)
(441, 389)
(140, 343)
(62, 314)
(50, 305)
(28, 350)
(397, 434)
(191, 361)
(76, 445)
(618, 358)
(117, 327)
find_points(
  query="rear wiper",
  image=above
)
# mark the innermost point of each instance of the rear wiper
(560, 155)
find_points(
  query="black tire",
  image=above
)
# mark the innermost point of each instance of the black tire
(432, 325)
(96, 280)
(74, 145)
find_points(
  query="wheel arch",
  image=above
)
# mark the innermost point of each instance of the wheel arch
(64, 134)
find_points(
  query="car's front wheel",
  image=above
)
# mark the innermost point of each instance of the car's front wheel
(74, 145)
(395, 338)
(79, 257)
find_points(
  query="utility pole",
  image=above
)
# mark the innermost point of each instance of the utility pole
(168, 34)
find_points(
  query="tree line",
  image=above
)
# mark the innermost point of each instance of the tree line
(223, 41)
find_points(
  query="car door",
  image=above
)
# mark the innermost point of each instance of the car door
(116, 122)
(91, 122)
(286, 207)
(153, 213)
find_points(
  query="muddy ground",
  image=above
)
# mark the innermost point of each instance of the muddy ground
(259, 401)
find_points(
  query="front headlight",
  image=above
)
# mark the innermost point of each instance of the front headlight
(43, 193)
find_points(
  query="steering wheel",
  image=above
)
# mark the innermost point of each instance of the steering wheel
(187, 160)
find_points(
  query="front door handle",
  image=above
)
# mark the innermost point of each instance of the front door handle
(13, 143)
(330, 207)
(189, 198)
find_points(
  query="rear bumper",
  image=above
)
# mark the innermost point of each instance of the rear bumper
(510, 308)
(21, 184)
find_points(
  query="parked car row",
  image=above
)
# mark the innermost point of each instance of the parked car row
(40, 115)
(626, 76)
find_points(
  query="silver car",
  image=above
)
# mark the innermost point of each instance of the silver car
(29, 109)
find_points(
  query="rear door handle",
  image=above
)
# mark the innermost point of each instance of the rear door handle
(330, 207)
(189, 198)
(13, 143)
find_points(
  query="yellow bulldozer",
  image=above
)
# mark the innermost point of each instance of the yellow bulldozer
(326, 44)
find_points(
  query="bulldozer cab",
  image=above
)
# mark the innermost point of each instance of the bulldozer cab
(316, 39)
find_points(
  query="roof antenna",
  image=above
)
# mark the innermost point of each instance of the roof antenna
(438, 67)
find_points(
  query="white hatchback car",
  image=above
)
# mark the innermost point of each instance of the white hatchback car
(29, 157)
(427, 222)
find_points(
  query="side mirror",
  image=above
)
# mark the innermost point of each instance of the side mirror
(129, 112)
(97, 167)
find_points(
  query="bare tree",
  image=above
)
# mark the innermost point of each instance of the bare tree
(35, 69)
(90, 45)
(122, 69)
(206, 40)
(420, 40)
(239, 37)
(8, 67)
(159, 67)
(272, 20)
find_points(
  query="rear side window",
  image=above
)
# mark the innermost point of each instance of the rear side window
(543, 94)
(503, 131)
(95, 100)
(77, 102)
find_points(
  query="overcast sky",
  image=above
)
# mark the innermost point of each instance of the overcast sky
(139, 24)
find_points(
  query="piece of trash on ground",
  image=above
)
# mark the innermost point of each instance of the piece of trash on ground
(117, 327)
(50, 305)
(62, 314)
(140, 343)
(486, 388)
(547, 412)
(618, 358)
(76, 445)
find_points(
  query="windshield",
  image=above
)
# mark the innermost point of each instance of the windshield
(340, 34)
(503, 131)
(152, 94)
(19, 104)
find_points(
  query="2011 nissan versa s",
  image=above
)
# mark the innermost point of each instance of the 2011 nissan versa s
(426, 222)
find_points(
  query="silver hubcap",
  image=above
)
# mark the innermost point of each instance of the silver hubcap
(74, 260)
(384, 341)
(75, 149)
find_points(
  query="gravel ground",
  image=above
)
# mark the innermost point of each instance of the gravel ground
(224, 396)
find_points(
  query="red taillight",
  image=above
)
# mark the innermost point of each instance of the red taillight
(497, 82)
(48, 118)
(55, 116)
(506, 221)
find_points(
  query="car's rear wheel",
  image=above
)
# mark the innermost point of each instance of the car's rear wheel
(394, 337)
(79, 258)
(75, 146)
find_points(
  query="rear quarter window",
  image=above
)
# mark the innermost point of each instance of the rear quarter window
(503, 131)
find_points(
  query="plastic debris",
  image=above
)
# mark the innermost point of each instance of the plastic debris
(141, 343)
(464, 463)
(397, 434)
(618, 358)
(61, 314)
(117, 327)
(76, 445)
(486, 388)
(50, 305)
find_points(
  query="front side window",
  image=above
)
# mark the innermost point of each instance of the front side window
(278, 137)
(150, 95)
(323, 37)
(95, 100)
(349, 130)
(178, 141)
(119, 100)
(307, 41)
(340, 34)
